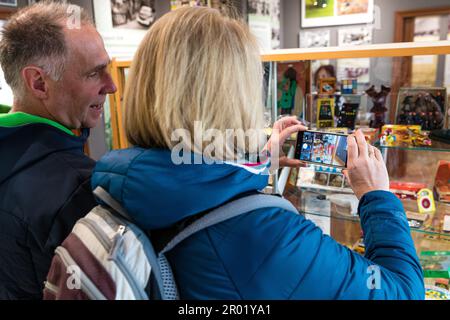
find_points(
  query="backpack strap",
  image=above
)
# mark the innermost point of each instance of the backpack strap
(105, 197)
(228, 211)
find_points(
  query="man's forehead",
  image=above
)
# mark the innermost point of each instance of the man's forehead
(82, 36)
(86, 44)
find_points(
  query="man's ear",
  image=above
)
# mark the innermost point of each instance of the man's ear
(34, 78)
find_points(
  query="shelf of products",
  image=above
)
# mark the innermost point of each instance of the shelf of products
(318, 202)
(436, 146)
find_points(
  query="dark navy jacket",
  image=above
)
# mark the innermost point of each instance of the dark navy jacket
(44, 189)
(264, 254)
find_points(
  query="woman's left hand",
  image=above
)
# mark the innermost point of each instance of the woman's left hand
(282, 129)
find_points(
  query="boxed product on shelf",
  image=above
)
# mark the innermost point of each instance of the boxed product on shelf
(437, 289)
(415, 219)
(435, 264)
(346, 109)
(442, 181)
(325, 112)
(406, 190)
(425, 201)
(446, 224)
(327, 85)
(436, 293)
(425, 107)
(438, 282)
(322, 177)
(349, 86)
(393, 135)
(371, 134)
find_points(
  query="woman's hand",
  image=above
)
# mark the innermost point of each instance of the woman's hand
(282, 129)
(366, 170)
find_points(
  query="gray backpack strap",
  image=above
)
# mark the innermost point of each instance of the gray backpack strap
(104, 196)
(228, 211)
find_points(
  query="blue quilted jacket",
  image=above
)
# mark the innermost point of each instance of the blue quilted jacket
(264, 254)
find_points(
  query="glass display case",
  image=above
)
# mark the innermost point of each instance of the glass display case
(374, 95)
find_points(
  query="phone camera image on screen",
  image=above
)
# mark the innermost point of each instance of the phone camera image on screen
(322, 148)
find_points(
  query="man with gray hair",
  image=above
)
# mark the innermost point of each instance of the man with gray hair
(56, 65)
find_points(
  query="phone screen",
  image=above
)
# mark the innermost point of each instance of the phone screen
(322, 148)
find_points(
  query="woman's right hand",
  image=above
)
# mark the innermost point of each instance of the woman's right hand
(366, 170)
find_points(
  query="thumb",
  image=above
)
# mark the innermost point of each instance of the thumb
(292, 163)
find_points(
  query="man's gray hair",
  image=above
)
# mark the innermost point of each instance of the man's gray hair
(35, 36)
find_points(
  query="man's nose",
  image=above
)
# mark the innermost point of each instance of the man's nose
(109, 86)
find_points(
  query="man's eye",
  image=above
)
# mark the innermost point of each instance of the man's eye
(93, 74)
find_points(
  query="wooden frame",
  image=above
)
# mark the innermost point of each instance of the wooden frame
(366, 51)
(6, 12)
(117, 70)
(404, 19)
(404, 32)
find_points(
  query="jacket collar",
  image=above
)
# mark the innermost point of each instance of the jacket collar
(16, 119)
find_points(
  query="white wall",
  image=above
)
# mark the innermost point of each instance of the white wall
(6, 97)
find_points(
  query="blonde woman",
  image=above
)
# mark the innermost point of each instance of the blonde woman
(198, 71)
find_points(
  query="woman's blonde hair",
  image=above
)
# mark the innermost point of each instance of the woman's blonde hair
(194, 64)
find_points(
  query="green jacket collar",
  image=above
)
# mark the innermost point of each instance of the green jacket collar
(15, 119)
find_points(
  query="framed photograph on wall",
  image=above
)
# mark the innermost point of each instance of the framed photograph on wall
(9, 3)
(135, 15)
(314, 39)
(354, 68)
(176, 4)
(123, 24)
(264, 21)
(319, 13)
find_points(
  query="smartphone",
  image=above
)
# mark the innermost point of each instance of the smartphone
(324, 148)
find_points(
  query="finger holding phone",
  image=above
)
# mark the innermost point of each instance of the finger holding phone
(366, 170)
